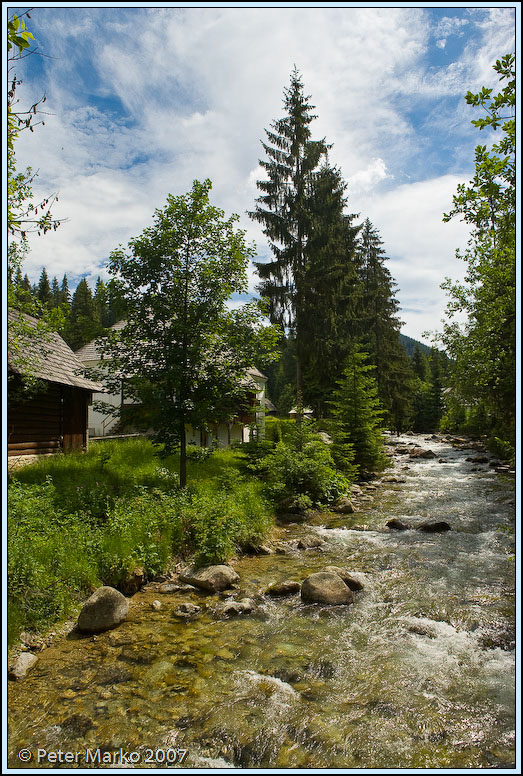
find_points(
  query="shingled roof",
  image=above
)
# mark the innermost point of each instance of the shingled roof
(50, 358)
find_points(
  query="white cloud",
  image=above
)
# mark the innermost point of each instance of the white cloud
(200, 85)
(420, 246)
(363, 180)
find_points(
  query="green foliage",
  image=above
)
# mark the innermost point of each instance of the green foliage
(300, 471)
(501, 449)
(79, 520)
(50, 557)
(181, 343)
(483, 349)
(357, 438)
(142, 530)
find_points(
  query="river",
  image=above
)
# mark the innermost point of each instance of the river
(417, 673)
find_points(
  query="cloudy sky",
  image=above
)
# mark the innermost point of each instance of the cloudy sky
(143, 100)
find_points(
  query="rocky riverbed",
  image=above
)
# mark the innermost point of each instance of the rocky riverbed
(413, 669)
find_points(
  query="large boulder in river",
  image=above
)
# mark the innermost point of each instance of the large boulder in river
(436, 526)
(213, 579)
(105, 609)
(325, 588)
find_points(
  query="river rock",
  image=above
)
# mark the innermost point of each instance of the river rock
(347, 577)
(156, 605)
(235, 608)
(288, 587)
(396, 525)
(344, 506)
(105, 609)
(326, 588)
(438, 526)
(21, 665)
(310, 542)
(211, 578)
(187, 610)
(416, 452)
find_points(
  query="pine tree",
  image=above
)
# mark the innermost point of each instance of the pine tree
(43, 290)
(65, 295)
(82, 325)
(380, 326)
(55, 291)
(357, 439)
(332, 289)
(420, 364)
(283, 209)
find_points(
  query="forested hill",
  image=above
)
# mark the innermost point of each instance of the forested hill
(410, 345)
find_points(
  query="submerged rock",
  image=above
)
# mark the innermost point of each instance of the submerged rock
(211, 578)
(187, 611)
(438, 526)
(105, 609)
(326, 588)
(77, 725)
(288, 587)
(21, 665)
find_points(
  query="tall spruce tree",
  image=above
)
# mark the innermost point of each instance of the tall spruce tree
(331, 289)
(284, 210)
(380, 326)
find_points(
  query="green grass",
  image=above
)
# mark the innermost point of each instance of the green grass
(79, 520)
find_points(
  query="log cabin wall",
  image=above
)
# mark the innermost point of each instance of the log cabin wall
(49, 422)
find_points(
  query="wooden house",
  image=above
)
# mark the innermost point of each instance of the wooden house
(53, 418)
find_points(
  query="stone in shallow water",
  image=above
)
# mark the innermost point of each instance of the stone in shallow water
(211, 578)
(288, 587)
(326, 588)
(396, 525)
(437, 526)
(347, 577)
(105, 609)
(21, 665)
(310, 542)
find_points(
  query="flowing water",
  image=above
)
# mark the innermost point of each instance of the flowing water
(418, 672)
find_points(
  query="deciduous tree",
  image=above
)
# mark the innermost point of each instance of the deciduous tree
(181, 342)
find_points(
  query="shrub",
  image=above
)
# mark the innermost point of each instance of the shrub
(144, 530)
(308, 472)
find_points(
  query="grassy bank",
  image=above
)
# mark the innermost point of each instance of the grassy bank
(84, 519)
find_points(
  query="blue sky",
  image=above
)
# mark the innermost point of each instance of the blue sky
(145, 99)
